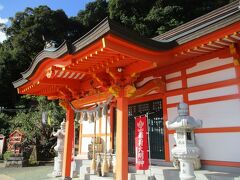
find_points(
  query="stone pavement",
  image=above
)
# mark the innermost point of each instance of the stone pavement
(32, 173)
(161, 173)
(26, 173)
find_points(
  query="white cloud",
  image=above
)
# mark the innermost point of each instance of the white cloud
(3, 20)
(2, 34)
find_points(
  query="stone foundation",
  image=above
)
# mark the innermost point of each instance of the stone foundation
(16, 162)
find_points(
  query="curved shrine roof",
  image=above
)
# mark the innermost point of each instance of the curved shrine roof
(93, 61)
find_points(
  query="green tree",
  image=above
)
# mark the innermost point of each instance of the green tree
(5, 124)
(94, 13)
(36, 131)
(30, 26)
(8, 70)
(25, 40)
(132, 13)
(153, 17)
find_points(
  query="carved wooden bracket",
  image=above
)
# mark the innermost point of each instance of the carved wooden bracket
(66, 94)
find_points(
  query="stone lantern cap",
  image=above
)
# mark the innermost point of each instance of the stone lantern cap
(183, 121)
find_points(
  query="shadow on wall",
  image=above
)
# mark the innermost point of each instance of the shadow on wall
(170, 174)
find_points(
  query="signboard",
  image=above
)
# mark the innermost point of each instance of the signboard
(15, 137)
(141, 143)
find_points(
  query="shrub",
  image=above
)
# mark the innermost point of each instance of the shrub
(7, 154)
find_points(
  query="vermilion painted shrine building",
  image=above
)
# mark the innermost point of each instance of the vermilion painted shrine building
(197, 62)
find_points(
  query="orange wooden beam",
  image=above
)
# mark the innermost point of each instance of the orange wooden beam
(210, 70)
(60, 82)
(220, 163)
(208, 100)
(209, 37)
(111, 126)
(136, 100)
(119, 45)
(213, 130)
(91, 99)
(204, 87)
(186, 63)
(68, 143)
(122, 139)
(139, 67)
(166, 138)
(218, 130)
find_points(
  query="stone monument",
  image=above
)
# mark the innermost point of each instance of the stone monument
(16, 147)
(2, 144)
(59, 148)
(185, 150)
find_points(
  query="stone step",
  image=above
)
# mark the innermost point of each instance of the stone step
(172, 174)
(95, 177)
(162, 173)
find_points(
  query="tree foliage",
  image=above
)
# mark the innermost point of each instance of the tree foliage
(153, 17)
(5, 125)
(94, 13)
(30, 122)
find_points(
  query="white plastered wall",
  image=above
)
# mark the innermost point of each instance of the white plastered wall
(174, 85)
(221, 146)
(88, 130)
(85, 142)
(217, 114)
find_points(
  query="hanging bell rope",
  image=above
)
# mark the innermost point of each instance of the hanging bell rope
(78, 117)
(105, 168)
(98, 113)
(105, 109)
(91, 117)
(85, 118)
(94, 162)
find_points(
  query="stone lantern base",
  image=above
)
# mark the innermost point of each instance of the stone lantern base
(186, 169)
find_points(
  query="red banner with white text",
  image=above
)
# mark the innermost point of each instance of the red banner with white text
(141, 143)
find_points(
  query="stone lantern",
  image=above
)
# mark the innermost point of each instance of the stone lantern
(186, 150)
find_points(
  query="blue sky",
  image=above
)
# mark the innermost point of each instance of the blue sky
(8, 8)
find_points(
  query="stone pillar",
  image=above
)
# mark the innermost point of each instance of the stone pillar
(122, 139)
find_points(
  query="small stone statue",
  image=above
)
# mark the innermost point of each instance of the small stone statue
(59, 148)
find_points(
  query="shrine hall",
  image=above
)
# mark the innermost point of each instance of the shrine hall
(114, 69)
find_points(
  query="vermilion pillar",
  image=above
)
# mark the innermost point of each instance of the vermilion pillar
(122, 139)
(68, 143)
